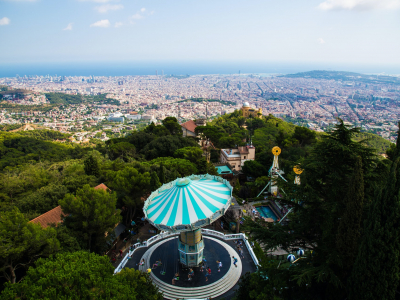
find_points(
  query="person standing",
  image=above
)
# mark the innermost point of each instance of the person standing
(235, 260)
(241, 253)
(208, 273)
(191, 274)
(219, 266)
(176, 277)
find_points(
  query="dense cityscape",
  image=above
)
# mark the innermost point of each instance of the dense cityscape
(304, 100)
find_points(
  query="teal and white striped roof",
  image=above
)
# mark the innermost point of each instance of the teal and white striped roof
(188, 203)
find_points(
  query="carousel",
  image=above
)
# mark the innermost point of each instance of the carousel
(184, 206)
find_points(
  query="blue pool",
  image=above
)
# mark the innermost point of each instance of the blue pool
(223, 170)
(266, 212)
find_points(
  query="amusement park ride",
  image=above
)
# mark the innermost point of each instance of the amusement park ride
(184, 206)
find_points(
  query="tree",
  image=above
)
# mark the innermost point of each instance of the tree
(349, 230)
(21, 243)
(166, 146)
(202, 166)
(141, 283)
(255, 286)
(91, 166)
(237, 188)
(254, 169)
(131, 185)
(162, 173)
(172, 125)
(376, 271)
(67, 238)
(92, 213)
(319, 207)
(81, 275)
(182, 166)
(304, 135)
(192, 154)
(123, 150)
(154, 181)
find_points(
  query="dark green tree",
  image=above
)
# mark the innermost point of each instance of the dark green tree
(92, 213)
(171, 123)
(21, 243)
(81, 275)
(347, 239)
(130, 185)
(376, 271)
(162, 174)
(320, 204)
(193, 154)
(304, 135)
(91, 166)
(237, 188)
(202, 166)
(154, 181)
(123, 150)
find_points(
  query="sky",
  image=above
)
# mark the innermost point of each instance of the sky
(305, 31)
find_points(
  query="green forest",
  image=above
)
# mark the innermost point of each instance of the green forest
(344, 216)
(66, 99)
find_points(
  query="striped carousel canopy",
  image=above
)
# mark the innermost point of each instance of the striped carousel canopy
(188, 203)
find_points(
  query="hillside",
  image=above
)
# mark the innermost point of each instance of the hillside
(208, 100)
(345, 76)
(374, 141)
(66, 99)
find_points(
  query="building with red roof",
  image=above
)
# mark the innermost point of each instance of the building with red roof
(54, 216)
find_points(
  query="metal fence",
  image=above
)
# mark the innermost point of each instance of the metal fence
(163, 235)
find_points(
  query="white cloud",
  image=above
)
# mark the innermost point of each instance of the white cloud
(4, 21)
(102, 23)
(107, 7)
(137, 16)
(69, 27)
(359, 5)
(118, 24)
(321, 41)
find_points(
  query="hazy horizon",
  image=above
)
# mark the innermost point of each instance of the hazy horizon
(326, 33)
(182, 68)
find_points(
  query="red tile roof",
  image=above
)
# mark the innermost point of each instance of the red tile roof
(101, 186)
(189, 125)
(52, 216)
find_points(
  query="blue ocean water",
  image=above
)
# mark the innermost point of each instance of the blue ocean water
(179, 68)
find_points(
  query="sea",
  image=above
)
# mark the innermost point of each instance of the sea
(125, 68)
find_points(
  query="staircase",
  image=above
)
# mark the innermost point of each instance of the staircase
(212, 290)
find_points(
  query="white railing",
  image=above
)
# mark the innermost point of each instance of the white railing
(236, 236)
(163, 235)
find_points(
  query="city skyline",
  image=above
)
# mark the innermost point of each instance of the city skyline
(323, 33)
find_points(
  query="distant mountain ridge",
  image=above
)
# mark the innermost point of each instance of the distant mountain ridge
(346, 76)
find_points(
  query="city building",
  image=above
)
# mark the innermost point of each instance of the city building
(188, 128)
(247, 111)
(236, 158)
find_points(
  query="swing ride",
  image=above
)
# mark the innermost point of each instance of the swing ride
(184, 206)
